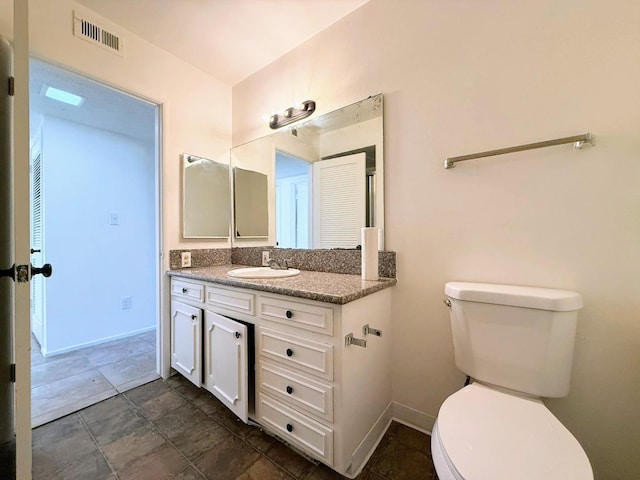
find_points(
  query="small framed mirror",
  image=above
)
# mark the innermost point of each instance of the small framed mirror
(206, 198)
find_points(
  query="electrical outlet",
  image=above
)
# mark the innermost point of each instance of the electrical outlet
(125, 303)
(266, 256)
(186, 259)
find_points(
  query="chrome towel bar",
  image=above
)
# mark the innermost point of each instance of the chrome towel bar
(579, 141)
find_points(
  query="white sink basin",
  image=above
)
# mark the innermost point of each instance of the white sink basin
(262, 272)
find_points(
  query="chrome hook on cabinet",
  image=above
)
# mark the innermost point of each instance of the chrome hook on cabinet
(366, 330)
(351, 340)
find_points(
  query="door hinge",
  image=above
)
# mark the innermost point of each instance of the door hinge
(12, 372)
(12, 86)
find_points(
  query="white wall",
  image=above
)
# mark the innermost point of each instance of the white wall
(467, 76)
(87, 174)
(196, 106)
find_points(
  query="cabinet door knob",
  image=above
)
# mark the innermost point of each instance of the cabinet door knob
(193, 317)
(237, 334)
(184, 290)
(289, 314)
(289, 428)
(289, 389)
(289, 352)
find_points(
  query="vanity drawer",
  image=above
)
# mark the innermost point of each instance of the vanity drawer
(296, 390)
(299, 353)
(231, 299)
(293, 427)
(187, 290)
(296, 314)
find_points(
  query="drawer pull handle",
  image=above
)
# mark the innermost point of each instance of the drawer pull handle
(289, 389)
(289, 314)
(184, 290)
(193, 317)
(289, 428)
(289, 352)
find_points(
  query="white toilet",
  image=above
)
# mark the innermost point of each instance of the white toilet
(516, 343)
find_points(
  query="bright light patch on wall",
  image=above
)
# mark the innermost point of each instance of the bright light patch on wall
(62, 96)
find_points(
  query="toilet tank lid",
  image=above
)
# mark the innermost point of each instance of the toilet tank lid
(515, 296)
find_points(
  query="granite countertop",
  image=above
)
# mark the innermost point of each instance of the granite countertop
(336, 288)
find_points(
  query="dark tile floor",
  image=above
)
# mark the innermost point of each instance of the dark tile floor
(173, 430)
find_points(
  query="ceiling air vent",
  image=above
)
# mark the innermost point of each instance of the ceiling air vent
(89, 30)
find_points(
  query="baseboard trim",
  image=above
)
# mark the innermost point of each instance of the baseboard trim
(413, 418)
(369, 444)
(97, 342)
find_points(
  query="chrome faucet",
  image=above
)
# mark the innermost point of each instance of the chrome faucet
(279, 265)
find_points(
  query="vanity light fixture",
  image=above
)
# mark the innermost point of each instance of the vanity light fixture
(292, 114)
(62, 96)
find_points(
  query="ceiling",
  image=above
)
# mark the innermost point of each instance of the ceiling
(103, 107)
(228, 39)
(235, 37)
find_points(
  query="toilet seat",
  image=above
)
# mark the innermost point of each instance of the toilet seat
(484, 433)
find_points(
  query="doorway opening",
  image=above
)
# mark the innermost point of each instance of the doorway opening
(293, 204)
(95, 216)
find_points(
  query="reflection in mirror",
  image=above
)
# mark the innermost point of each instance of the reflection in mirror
(206, 198)
(250, 200)
(293, 215)
(325, 177)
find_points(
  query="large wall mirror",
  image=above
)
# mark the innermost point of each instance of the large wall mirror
(206, 198)
(324, 180)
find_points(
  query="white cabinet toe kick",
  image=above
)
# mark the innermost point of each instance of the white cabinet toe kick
(283, 362)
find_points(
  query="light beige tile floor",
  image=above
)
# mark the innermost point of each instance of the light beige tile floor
(65, 383)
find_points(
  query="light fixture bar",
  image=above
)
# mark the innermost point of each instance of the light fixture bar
(292, 114)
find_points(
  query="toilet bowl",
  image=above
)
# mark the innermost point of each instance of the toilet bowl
(483, 433)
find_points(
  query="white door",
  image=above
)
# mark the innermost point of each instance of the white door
(15, 243)
(186, 341)
(7, 428)
(225, 359)
(339, 183)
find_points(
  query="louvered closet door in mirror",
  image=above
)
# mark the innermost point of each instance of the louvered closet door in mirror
(37, 247)
(339, 183)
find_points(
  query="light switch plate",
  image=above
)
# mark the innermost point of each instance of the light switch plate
(114, 218)
(186, 259)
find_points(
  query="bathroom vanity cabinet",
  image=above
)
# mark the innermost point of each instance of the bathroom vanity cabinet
(283, 362)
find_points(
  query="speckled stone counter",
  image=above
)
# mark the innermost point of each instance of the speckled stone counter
(321, 286)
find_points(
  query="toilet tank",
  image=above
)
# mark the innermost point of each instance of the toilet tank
(515, 337)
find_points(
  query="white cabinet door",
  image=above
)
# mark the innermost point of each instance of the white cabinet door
(186, 341)
(225, 358)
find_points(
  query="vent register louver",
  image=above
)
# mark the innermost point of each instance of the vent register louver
(89, 30)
